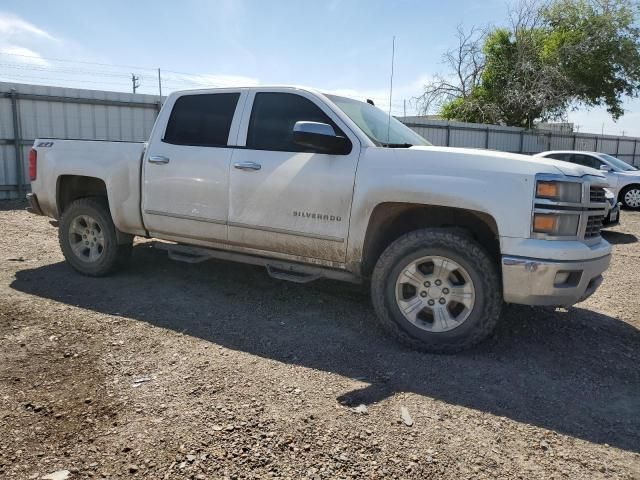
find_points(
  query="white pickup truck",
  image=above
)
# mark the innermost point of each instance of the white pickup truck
(313, 185)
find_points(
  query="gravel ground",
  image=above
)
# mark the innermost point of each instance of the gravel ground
(215, 370)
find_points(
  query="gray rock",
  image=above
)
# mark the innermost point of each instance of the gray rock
(361, 409)
(59, 475)
(405, 417)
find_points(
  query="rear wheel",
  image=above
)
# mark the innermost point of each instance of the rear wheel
(630, 197)
(88, 238)
(437, 291)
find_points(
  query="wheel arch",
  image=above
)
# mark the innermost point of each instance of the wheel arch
(390, 220)
(626, 188)
(73, 187)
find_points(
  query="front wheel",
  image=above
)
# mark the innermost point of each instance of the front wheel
(437, 291)
(631, 197)
(88, 238)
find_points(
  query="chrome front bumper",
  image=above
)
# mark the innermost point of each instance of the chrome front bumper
(532, 281)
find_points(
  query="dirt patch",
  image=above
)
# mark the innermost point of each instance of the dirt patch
(169, 370)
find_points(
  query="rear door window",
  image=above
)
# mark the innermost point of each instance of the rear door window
(201, 120)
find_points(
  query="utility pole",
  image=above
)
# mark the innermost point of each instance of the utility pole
(135, 82)
(404, 102)
(160, 84)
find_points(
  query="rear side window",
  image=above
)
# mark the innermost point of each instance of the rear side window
(273, 117)
(201, 120)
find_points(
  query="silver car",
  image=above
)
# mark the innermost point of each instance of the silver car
(624, 179)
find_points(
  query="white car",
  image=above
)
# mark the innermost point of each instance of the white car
(624, 179)
(312, 185)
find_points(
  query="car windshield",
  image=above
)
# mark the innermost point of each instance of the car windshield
(619, 164)
(376, 125)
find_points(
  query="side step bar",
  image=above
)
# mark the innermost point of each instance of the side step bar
(280, 269)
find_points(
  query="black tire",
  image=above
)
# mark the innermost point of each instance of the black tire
(623, 194)
(482, 270)
(112, 255)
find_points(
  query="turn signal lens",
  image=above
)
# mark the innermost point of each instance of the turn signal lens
(547, 190)
(544, 223)
(556, 224)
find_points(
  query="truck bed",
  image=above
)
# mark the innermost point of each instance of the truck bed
(115, 163)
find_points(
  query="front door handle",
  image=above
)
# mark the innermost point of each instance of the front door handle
(247, 166)
(158, 159)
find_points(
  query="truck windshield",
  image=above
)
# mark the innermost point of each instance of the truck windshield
(375, 124)
(619, 164)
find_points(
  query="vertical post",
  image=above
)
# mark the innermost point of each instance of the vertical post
(448, 134)
(135, 84)
(160, 85)
(596, 149)
(521, 150)
(635, 148)
(17, 141)
(617, 146)
(404, 103)
(486, 140)
(575, 141)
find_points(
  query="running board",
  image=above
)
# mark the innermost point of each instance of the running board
(279, 269)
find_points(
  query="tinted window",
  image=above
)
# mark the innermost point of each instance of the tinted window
(201, 120)
(560, 156)
(586, 160)
(273, 117)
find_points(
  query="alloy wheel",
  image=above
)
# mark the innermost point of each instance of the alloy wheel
(435, 293)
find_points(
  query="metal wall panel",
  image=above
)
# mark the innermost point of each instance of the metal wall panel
(101, 115)
(521, 140)
(67, 113)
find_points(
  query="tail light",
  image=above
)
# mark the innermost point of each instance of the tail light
(33, 164)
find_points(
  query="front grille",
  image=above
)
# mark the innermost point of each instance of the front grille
(596, 195)
(594, 224)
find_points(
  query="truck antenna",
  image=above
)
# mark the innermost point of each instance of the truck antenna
(393, 54)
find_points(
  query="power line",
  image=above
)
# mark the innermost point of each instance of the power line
(17, 75)
(37, 57)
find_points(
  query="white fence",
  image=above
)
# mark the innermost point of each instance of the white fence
(521, 140)
(31, 111)
(28, 112)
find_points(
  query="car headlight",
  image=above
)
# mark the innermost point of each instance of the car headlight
(569, 192)
(556, 224)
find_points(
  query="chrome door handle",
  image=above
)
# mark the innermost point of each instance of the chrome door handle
(158, 159)
(247, 166)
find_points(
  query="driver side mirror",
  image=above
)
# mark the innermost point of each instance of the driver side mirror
(606, 168)
(320, 137)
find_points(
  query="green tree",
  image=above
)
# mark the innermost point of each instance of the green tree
(597, 45)
(550, 59)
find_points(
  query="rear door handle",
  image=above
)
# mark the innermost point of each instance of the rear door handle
(158, 159)
(247, 166)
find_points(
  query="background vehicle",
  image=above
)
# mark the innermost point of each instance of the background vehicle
(624, 179)
(613, 215)
(312, 185)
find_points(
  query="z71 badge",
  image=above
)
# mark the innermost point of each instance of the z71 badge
(44, 144)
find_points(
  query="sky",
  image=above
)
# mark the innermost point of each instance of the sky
(341, 46)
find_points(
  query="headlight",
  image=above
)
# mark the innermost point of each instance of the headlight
(569, 192)
(556, 224)
(609, 195)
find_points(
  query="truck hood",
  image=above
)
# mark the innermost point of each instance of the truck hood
(509, 162)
